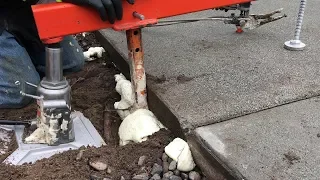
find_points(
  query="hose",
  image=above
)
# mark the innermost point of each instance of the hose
(11, 122)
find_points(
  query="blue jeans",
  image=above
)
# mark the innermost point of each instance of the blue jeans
(17, 65)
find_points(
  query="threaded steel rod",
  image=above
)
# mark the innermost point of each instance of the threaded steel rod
(300, 19)
(295, 44)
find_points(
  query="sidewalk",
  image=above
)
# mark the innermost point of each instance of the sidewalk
(210, 74)
(279, 144)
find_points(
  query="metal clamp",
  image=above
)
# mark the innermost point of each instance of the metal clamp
(249, 22)
(256, 21)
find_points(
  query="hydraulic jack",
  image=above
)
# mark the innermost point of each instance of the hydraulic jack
(53, 99)
(54, 108)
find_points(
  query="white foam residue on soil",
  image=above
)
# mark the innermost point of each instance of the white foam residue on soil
(179, 151)
(45, 134)
(93, 52)
(124, 88)
(137, 124)
(38, 136)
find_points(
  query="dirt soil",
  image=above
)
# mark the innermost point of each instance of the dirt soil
(93, 94)
(7, 146)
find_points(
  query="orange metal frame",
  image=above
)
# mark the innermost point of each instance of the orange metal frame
(61, 19)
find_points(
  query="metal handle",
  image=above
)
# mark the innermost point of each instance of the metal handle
(22, 91)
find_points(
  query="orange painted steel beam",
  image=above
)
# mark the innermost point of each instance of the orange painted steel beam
(61, 19)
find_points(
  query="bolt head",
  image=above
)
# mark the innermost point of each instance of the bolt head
(17, 83)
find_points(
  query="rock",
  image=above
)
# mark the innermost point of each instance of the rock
(165, 166)
(164, 157)
(159, 161)
(156, 169)
(174, 177)
(142, 159)
(107, 179)
(142, 169)
(79, 155)
(170, 160)
(177, 172)
(156, 177)
(193, 175)
(122, 178)
(95, 177)
(184, 176)
(109, 170)
(143, 176)
(100, 166)
(168, 174)
(173, 165)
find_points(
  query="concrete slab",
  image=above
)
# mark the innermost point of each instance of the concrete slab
(277, 144)
(207, 73)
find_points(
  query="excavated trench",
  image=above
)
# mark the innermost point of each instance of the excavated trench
(93, 94)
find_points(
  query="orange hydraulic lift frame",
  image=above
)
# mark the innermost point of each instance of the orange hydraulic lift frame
(57, 20)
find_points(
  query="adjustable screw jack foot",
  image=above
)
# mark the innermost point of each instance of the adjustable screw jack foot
(294, 45)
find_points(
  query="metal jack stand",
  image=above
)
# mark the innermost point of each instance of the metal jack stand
(296, 44)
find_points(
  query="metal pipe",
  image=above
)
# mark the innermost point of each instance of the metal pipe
(54, 63)
(138, 76)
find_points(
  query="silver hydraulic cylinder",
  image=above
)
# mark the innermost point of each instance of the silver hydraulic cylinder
(54, 72)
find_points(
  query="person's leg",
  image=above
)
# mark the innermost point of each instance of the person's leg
(15, 65)
(72, 57)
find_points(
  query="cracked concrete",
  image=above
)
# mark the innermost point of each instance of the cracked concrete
(277, 144)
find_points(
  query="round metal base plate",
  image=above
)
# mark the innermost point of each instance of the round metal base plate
(294, 45)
